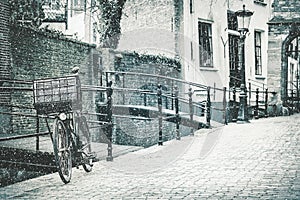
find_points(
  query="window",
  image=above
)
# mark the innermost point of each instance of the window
(205, 44)
(232, 21)
(77, 7)
(78, 3)
(233, 42)
(258, 64)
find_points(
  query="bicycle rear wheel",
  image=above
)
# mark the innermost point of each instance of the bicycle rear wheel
(62, 150)
(85, 139)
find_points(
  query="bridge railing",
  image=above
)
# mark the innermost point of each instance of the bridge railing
(141, 89)
(172, 99)
(258, 102)
(18, 107)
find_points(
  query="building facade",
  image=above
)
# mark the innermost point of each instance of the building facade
(283, 52)
(203, 34)
(212, 39)
(75, 18)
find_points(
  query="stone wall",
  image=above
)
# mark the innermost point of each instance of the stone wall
(284, 12)
(287, 9)
(149, 64)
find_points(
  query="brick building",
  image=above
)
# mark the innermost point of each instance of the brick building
(283, 68)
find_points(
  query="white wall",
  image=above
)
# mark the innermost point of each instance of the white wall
(215, 12)
(147, 27)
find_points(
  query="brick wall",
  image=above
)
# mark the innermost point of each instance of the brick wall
(39, 54)
(4, 64)
(140, 132)
(144, 132)
(4, 40)
(158, 65)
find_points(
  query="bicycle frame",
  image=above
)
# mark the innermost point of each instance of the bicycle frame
(61, 97)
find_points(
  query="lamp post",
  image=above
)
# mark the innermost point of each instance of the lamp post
(243, 18)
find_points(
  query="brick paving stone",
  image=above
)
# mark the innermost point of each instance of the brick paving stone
(247, 161)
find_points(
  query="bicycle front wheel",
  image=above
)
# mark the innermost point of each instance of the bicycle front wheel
(62, 150)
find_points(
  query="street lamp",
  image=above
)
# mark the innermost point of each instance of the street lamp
(243, 18)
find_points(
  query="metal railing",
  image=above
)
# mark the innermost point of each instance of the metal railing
(170, 99)
(160, 93)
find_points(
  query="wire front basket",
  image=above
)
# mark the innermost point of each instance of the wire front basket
(54, 95)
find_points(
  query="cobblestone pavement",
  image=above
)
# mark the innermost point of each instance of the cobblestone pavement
(258, 160)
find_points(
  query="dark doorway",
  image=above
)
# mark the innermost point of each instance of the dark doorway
(290, 71)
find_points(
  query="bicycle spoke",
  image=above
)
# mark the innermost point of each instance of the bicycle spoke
(62, 150)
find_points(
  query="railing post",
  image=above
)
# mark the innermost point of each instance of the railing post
(37, 131)
(234, 111)
(106, 76)
(214, 91)
(234, 94)
(172, 103)
(123, 79)
(159, 104)
(208, 108)
(297, 90)
(256, 114)
(172, 100)
(190, 93)
(167, 104)
(178, 137)
(292, 100)
(266, 103)
(109, 92)
(224, 106)
(249, 94)
(145, 99)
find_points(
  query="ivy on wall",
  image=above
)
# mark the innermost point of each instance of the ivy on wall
(111, 13)
(154, 59)
(27, 11)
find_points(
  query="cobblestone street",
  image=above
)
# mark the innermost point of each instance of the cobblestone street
(258, 160)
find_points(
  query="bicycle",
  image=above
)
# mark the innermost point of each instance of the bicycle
(61, 99)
